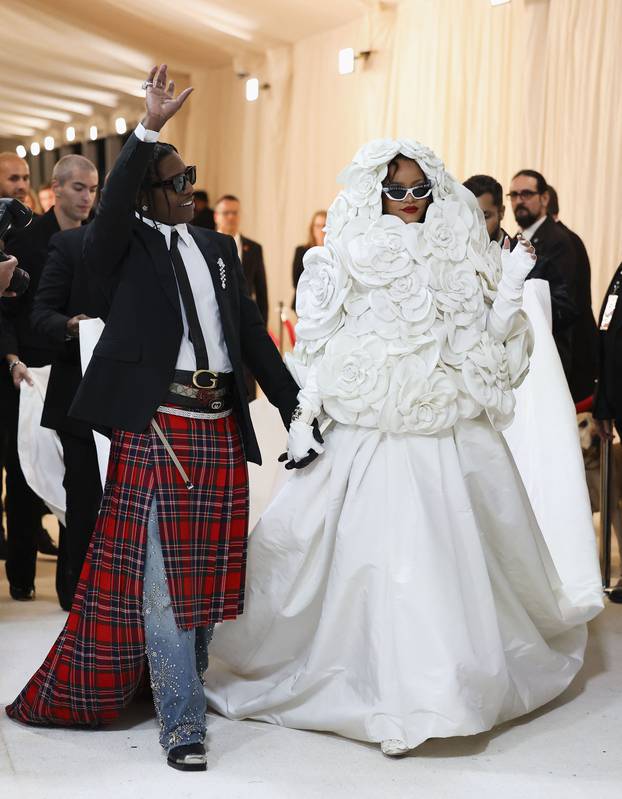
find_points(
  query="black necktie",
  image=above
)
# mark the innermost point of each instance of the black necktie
(196, 334)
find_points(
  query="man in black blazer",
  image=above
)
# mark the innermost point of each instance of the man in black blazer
(607, 409)
(167, 380)
(227, 219)
(75, 185)
(556, 260)
(65, 296)
(585, 331)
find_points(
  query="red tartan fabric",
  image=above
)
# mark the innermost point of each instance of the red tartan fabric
(97, 662)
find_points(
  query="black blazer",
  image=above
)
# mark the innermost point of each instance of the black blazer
(584, 366)
(64, 291)
(298, 268)
(556, 263)
(255, 274)
(608, 400)
(30, 246)
(134, 361)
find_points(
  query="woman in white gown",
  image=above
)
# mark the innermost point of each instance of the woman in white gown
(399, 587)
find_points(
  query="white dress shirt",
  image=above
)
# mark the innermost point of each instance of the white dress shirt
(238, 243)
(528, 233)
(202, 290)
(204, 298)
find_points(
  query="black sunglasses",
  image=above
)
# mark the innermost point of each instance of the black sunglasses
(179, 182)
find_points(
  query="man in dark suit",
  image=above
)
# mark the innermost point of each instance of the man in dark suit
(167, 559)
(14, 183)
(75, 186)
(227, 218)
(585, 331)
(607, 409)
(64, 297)
(203, 214)
(556, 260)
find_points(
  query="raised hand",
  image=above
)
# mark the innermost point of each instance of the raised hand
(160, 102)
(518, 263)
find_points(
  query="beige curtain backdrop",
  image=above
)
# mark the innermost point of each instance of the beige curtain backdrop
(534, 83)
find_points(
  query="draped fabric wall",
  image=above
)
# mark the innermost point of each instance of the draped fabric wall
(528, 84)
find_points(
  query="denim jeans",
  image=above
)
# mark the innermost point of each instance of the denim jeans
(177, 658)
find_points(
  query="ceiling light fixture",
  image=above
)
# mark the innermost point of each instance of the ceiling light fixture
(120, 125)
(93, 132)
(252, 89)
(70, 133)
(35, 148)
(48, 142)
(21, 151)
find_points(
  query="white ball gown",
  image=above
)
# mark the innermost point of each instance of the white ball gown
(399, 587)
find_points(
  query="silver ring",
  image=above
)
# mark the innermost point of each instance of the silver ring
(146, 83)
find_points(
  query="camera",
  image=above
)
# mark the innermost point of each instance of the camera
(14, 214)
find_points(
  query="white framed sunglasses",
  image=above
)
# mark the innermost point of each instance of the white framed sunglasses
(399, 193)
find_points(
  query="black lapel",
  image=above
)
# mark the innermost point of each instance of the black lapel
(156, 246)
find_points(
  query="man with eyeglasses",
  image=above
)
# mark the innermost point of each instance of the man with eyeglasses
(556, 260)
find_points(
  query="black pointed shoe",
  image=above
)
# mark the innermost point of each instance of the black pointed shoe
(22, 594)
(188, 757)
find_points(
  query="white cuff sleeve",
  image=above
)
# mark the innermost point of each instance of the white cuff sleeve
(148, 136)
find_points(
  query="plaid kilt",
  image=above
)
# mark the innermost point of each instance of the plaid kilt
(97, 662)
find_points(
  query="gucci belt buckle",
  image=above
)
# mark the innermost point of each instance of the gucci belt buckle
(212, 378)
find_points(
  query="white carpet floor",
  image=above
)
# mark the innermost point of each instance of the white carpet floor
(570, 749)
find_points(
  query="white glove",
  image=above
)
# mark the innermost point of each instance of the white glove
(301, 442)
(516, 265)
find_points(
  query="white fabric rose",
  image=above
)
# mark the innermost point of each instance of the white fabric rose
(445, 233)
(375, 153)
(339, 213)
(363, 186)
(379, 253)
(407, 299)
(419, 401)
(486, 377)
(353, 376)
(322, 289)
(459, 299)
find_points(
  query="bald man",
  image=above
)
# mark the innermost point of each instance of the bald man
(75, 184)
(14, 176)
(14, 183)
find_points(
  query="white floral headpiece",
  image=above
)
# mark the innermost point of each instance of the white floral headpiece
(362, 195)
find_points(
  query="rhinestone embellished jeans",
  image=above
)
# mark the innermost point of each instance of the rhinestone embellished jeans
(177, 658)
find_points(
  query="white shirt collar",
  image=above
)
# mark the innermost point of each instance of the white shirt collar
(529, 231)
(165, 230)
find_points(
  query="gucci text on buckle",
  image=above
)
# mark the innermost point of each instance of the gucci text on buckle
(223, 275)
